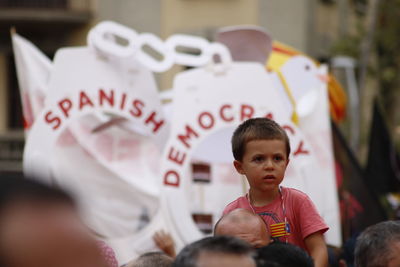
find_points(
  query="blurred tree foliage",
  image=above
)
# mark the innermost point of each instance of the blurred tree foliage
(348, 46)
(388, 59)
(386, 68)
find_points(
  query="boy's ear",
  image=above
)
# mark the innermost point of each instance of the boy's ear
(238, 166)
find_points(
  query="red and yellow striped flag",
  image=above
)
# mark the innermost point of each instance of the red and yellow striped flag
(278, 230)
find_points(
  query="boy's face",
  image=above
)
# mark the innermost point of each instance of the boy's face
(264, 163)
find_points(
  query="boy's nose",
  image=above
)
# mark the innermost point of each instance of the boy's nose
(269, 164)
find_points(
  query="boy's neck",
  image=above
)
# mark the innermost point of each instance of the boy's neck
(261, 198)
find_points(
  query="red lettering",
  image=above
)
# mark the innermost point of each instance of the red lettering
(189, 132)
(246, 112)
(104, 97)
(172, 178)
(65, 106)
(157, 124)
(84, 100)
(269, 116)
(223, 115)
(289, 129)
(176, 156)
(300, 150)
(206, 120)
(50, 119)
(123, 100)
(138, 106)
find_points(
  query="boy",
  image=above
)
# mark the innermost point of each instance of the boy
(261, 150)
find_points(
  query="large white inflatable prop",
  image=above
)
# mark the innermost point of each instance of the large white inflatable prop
(208, 106)
(112, 172)
(103, 134)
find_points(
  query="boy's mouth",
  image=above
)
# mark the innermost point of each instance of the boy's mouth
(269, 177)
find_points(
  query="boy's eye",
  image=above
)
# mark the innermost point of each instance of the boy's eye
(258, 158)
(278, 158)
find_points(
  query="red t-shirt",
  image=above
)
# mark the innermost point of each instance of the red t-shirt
(301, 215)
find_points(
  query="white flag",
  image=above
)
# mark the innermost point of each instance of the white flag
(33, 70)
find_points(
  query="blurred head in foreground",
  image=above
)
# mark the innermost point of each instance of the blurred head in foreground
(246, 225)
(218, 251)
(159, 259)
(379, 246)
(40, 226)
(283, 255)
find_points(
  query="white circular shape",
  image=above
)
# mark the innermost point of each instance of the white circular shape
(90, 38)
(181, 40)
(225, 56)
(103, 37)
(157, 44)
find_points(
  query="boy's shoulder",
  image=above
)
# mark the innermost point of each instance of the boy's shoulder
(294, 193)
(240, 202)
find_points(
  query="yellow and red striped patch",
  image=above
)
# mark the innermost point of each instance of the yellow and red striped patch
(279, 229)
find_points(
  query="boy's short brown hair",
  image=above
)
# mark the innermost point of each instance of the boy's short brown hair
(257, 129)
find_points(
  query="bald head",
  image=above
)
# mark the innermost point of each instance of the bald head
(246, 225)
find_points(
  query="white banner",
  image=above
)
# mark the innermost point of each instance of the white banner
(112, 169)
(102, 133)
(198, 177)
(33, 71)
